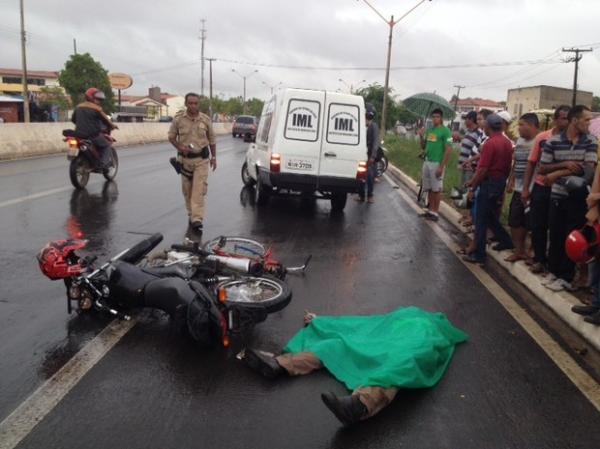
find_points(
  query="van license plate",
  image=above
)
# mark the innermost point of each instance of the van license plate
(298, 164)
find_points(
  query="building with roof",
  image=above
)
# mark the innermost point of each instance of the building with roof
(157, 104)
(524, 99)
(11, 81)
(465, 105)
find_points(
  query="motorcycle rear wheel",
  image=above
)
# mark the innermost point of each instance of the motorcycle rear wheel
(79, 173)
(265, 293)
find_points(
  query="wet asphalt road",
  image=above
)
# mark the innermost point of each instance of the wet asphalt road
(156, 390)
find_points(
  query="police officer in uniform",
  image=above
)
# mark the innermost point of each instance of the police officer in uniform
(192, 134)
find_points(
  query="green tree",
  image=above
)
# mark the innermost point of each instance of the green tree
(54, 96)
(596, 104)
(396, 110)
(254, 107)
(82, 72)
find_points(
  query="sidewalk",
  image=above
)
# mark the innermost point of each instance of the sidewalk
(559, 302)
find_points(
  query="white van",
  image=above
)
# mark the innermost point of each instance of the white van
(308, 142)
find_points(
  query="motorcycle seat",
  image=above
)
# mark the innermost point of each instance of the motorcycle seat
(73, 133)
(171, 271)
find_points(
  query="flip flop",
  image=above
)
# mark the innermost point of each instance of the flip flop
(515, 258)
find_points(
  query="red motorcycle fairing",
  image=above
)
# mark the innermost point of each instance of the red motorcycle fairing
(57, 261)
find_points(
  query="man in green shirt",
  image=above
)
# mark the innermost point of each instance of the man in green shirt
(437, 152)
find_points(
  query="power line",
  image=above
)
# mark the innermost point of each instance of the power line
(534, 62)
(420, 67)
(576, 60)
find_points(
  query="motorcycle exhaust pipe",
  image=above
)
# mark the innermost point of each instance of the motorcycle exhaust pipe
(241, 265)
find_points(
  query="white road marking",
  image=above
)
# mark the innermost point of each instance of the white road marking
(35, 196)
(24, 418)
(582, 380)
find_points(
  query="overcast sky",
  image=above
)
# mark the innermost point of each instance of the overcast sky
(157, 42)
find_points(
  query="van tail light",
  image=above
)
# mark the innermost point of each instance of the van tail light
(275, 163)
(361, 171)
(73, 143)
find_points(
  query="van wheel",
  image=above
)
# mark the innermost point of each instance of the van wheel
(246, 178)
(261, 193)
(338, 201)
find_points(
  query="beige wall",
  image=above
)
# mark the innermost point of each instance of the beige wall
(20, 140)
(526, 99)
(552, 97)
(522, 100)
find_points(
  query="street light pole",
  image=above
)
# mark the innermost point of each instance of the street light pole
(244, 78)
(273, 86)
(391, 23)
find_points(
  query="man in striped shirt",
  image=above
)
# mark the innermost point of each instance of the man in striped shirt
(528, 128)
(469, 147)
(573, 154)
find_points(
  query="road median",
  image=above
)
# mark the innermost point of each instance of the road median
(23, 140)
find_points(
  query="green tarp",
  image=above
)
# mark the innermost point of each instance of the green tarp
(407, 348)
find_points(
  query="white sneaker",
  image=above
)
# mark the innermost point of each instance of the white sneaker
(558, 285)
(549, 279)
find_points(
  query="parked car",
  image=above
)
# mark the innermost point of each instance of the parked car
(165, 118)
(245, 126)
(309, 142)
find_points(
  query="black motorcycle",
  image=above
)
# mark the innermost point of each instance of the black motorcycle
(206, 303)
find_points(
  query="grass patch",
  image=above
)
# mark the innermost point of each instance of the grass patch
(404, 154)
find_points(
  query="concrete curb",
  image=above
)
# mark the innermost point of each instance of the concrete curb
(559, 302)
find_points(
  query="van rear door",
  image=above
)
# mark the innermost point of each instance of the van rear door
(300, 146)
(343, 136)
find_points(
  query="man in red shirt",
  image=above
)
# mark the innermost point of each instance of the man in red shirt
(492, 173)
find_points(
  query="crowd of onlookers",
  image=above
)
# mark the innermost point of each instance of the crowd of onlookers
(549, 177)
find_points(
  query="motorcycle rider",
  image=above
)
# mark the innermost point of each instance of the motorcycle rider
(90, 120)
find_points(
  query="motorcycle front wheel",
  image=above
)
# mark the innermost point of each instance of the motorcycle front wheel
(110, 173)
(264, 293)
(235, 246)
(79, 173)
(382, 166)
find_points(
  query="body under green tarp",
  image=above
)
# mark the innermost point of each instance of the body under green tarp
(406, 348)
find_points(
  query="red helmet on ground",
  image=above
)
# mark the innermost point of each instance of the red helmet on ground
(55, 262)
(93, 92)
(582, 244)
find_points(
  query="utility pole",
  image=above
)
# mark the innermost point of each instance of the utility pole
(456, 101)
(210, 90)
(210, 79)
(390, 23)
(202, 38)
(74, 46)
(576, 60)
(26, 118)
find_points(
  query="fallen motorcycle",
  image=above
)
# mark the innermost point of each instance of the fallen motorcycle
(205, 303)
(231, 254)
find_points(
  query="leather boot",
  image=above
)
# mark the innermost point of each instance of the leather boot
(265, 364)
(348, 409)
